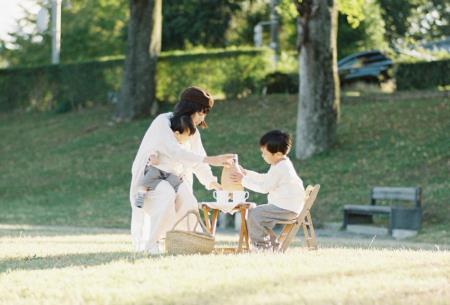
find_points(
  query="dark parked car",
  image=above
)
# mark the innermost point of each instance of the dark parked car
(369, 66)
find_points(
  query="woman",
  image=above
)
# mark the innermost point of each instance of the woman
(163, 206)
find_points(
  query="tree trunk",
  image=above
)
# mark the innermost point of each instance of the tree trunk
(138, 88)
(318, 106)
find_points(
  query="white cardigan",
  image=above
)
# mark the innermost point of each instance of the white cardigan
(284, 186)
(159, 137)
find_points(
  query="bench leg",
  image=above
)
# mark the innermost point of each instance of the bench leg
(391, 224)
(344, 225)
(356, 218)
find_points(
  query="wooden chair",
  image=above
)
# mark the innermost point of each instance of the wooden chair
(304, 219)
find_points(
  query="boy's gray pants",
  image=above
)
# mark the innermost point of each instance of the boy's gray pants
(153, 176)
(261, 221)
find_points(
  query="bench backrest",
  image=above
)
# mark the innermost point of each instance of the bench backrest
(413, 194)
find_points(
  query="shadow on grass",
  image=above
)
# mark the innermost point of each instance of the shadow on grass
(68, 260)
(44, 231)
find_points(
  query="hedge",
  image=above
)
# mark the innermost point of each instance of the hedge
(423, 75)
(62, 87)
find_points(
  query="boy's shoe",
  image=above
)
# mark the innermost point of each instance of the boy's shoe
(261, 248)
(275, 246)
(139, 201)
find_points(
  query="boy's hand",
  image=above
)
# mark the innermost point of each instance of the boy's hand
(243, 170)
(236, 177)
(215, 186)
(153, 160)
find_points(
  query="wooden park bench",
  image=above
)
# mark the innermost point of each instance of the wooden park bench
(400, 217)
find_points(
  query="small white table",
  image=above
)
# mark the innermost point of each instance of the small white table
(211, 224)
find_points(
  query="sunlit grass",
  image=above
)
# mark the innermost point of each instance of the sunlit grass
(44, 265)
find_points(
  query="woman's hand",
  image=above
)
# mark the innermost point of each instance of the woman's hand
(215, 186)
(236, 176)
(220, 160)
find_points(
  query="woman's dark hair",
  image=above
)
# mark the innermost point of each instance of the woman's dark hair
(192, 100)
(182, 123)
(276, 141)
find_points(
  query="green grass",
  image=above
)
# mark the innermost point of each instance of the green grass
(61, 265)
(74, 168)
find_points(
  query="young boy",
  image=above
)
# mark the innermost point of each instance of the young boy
(154, 171)
(284, 187)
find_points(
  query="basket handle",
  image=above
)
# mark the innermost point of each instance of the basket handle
(199, 221)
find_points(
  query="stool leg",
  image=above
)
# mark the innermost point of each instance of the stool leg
(243, 234)
(206, 217)
(244, 221)
(215, 214)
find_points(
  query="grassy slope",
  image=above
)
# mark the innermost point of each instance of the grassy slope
(75, 168)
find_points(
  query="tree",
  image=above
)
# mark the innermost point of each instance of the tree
(203, 23)
(369, 35)
(396, 14)
(138, 88)
(430, 20)
(318, 108)
(319, 104)
(93, 29)
(415, 20)
(90, 29)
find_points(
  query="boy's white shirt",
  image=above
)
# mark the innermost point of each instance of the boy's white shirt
(284, 187)
(175, 158)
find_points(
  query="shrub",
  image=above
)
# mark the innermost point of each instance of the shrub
(279, 82)
(423, 75)
(59, 87)
(232, 73)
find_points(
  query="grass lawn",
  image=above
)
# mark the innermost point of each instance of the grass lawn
(63, 265)
(74, 169)
(64, 206)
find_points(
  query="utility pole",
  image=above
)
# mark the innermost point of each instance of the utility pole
(56, 30)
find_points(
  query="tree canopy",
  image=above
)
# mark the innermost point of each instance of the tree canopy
(93, 29)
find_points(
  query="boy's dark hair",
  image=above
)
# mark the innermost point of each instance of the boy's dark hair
(192, 100)
(276, 141)
(182, 123)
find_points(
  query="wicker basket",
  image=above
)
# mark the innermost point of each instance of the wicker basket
(189, 242)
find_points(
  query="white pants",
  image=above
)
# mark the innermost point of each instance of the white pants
(162, 209)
